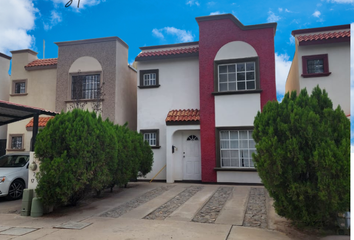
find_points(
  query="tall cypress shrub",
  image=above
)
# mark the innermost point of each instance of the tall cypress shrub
(303, 157)
(74, 149)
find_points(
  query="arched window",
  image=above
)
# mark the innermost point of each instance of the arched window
(192, 138)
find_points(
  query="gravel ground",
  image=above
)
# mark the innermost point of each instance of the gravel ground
(211, 210)
(128, 206)
(169, 207)
(256, 212)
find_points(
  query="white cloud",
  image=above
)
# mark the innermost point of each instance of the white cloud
(210, 4)
(282, 67)
(157, 33)
(291, 40)
(288, 11)
(272, 17)
(280, 9)
(192, 2)
(182, 35)
(341, 1)
(216, 13)
(83, 3)
(55, 18)
(17, 18)
(316, 14)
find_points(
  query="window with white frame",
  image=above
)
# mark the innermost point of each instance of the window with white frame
(237, 76)
(236, 148)
(149, 79)
(85, 86)
(150, 138)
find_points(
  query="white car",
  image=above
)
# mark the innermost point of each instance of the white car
(13, 175)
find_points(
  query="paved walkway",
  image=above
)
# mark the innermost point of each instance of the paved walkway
(152, 211)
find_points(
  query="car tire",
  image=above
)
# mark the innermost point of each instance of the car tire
(16, 190)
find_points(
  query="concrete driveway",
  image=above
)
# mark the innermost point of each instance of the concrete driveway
(153, 211)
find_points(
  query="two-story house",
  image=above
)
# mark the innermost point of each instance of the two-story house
(4, 95)
(322, 57)
(91, 74)
(197, 101)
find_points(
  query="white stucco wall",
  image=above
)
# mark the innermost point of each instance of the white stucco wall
(236, 110)
(4, 88)
(337, 84)
(179, 89)
(236, 49)
(239, 177)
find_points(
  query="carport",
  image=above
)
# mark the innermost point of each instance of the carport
(13, 112)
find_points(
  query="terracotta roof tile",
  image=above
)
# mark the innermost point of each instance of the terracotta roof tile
(323, 36)
(43, 62)
(190, 50)
(42, 122)
(183, 115)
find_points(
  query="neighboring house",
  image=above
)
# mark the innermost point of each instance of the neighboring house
(322, 57)
(33, 83)
(197, 101)
(92, 72)
(4, 95)
(94, 62)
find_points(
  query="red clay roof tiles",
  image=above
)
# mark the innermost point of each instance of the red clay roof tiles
(190, 50)
(183, 115)
(43, 62)
(323, 36)
(42, 122)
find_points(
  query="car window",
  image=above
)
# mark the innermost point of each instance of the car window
(13, 160)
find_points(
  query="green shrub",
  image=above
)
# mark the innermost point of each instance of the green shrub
(74, 149)
(81, 154)
(303, 157)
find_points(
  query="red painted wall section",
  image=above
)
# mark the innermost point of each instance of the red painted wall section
(213, 35)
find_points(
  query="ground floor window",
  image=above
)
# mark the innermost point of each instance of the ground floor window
(16, 142)
(151, 136)
(236, 148)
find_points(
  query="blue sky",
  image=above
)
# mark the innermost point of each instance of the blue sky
(25, 23)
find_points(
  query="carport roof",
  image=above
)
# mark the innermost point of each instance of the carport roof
(12, 112)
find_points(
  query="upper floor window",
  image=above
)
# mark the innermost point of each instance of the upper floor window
(19, 87)
(85, 86)
(315, 66)
(237, 76)
(149, 78)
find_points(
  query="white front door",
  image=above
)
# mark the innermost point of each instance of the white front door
(191, 156)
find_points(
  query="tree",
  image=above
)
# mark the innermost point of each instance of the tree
(303, 156)
(75, 150)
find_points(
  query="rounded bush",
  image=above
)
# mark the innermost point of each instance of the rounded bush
(81, 154)
(303, 157)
